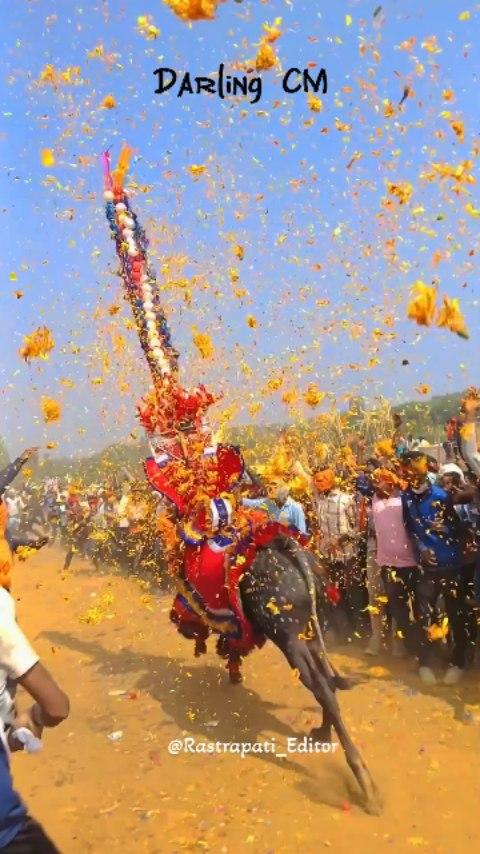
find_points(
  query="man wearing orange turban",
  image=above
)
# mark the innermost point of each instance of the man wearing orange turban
(387, 481)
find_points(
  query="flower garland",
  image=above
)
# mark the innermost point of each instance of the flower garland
(140, 283)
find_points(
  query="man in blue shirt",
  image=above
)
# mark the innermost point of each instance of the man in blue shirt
(281, 507)
(436, 529)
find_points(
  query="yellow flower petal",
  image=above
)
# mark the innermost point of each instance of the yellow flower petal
(194, 10)
(266, 57)
(314, 104)
(204, 344)
(108, 102)
(474, 212)
(147, 28)
(313, 396)
(47, 157)
(51, 409)
(422, 306)
(196, 170)
(452, 318)
(37, 345)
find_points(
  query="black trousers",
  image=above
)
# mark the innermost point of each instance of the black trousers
(348, 616)
(31, 839)
(399, 583)
(430, 585)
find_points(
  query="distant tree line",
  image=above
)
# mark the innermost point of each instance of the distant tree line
(428, 419)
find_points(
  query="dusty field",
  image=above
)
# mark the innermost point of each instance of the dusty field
(98, 795)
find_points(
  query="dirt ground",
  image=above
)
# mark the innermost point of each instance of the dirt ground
(109, 643)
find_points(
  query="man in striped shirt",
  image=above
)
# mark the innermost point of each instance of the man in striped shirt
(338, 524)
(337, 516)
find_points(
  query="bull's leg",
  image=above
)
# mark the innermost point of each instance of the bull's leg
(200, 647)
(329, 702)
(316, 646)
(323, 733)
(301, 659)
(192, 630)
(335, 679)
(233, 657)
(233, 667)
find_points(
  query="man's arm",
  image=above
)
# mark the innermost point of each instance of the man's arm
(10, 472)
(301, 522)
(51, 705)
(255, 479)
(352, 513)
(452, 519)
(464, 494)
(425, 556)
(50, 708)
(468, 434)
(301, 471)
(20, 662)
(29, 540)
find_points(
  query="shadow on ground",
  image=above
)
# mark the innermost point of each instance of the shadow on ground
(226, 713)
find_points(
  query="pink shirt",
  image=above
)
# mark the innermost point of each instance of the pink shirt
(394, 546)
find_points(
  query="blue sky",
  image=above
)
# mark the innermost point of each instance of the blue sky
(276, 183)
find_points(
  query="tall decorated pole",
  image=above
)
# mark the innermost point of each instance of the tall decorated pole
(141, 287)
(167, 409)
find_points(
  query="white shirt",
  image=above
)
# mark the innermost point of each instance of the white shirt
(122, 512)
(16, 655)
(14, 505)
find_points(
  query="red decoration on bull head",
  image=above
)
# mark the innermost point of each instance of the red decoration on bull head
(169, 409)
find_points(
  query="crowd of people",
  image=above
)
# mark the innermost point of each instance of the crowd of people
(397, 536)
(399, 541)
(107, 524)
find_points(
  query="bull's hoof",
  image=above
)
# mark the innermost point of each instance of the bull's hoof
(234, 673)
(374, 804)
(373, 799)
(200, 648)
